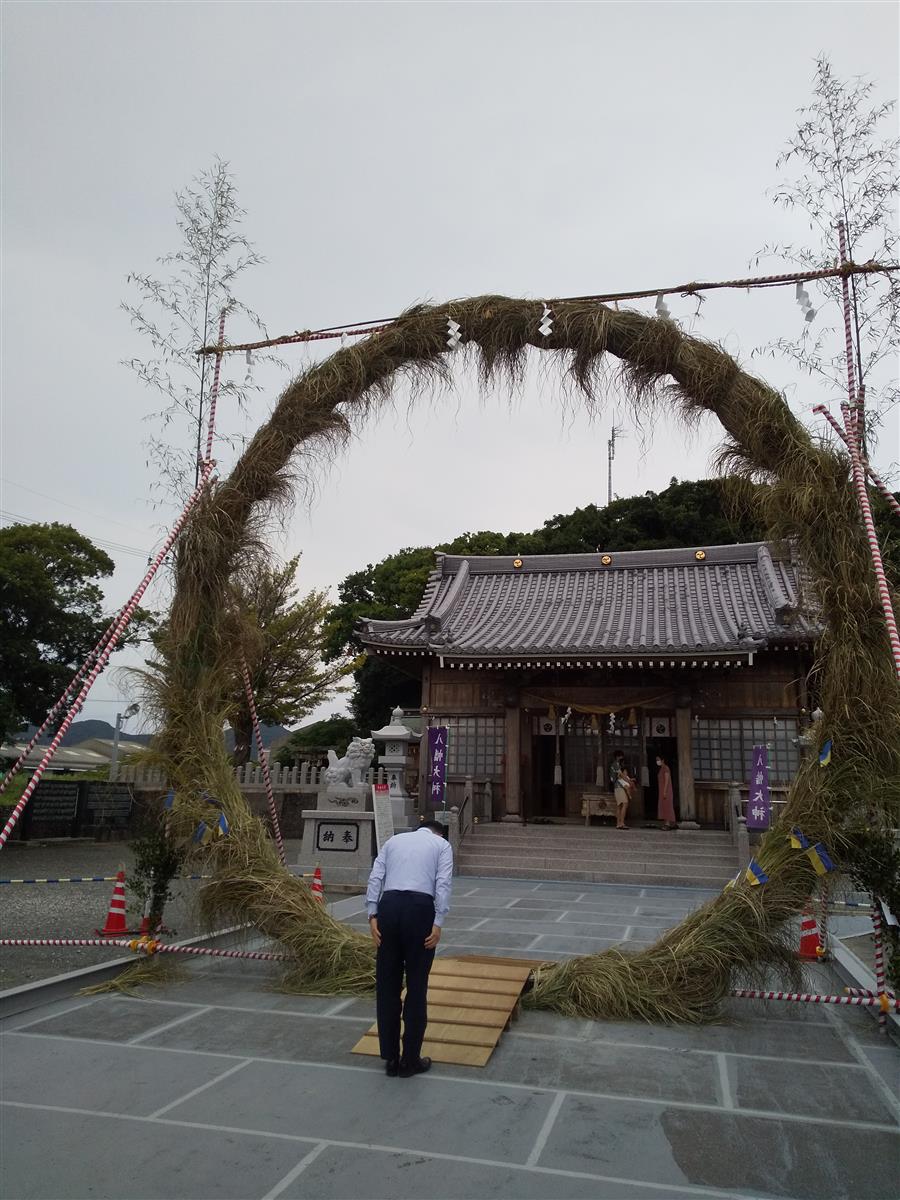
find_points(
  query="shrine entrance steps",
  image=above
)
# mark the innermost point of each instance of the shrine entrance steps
(471, 1000)
(680, 858)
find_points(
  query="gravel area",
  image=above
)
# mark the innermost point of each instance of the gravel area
(74, 909)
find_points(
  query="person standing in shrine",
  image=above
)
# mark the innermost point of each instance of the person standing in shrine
(666, 796)
(407, 899)
(623, 787)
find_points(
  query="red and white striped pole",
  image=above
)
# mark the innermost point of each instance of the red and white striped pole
(852, 426)
(876, 479)
(822, 948)
(263, 762)
(58, 704)
(214, 390)
(127, 612)
(103, 658)
(879, 959)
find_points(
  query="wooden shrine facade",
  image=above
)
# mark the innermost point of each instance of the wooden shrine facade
(543, 667)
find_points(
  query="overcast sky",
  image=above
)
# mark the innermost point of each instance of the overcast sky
(388, 154)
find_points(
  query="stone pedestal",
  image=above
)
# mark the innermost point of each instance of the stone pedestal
(345, 798)
(341, 841)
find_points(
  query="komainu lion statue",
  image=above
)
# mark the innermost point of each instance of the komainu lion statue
(350, 770)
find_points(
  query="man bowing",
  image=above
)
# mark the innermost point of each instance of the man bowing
(408, 898)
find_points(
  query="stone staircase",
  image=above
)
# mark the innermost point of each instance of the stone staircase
(683, 858)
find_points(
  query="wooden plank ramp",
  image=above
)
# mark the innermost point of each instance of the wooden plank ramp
(471, 1000)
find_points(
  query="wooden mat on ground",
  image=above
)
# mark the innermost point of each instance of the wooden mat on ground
(471, 1001)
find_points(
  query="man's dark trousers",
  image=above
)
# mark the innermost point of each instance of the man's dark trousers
(405, 920)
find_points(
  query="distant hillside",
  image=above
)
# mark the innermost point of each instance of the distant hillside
(272, 735)
(83, 731)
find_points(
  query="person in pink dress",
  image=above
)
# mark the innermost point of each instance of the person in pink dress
(665, 794)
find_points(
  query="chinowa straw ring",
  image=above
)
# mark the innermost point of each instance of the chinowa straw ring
(810, 499)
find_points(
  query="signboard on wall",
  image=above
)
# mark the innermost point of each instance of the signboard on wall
(758, 799)
(337, 835)
(437, 764)
(384, 813)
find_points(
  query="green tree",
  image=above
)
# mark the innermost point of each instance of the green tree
(314, 740)
(281, 634)
(52, 615)
(692, 513)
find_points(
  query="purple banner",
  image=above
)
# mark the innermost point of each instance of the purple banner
(437, 764)
(759, 808)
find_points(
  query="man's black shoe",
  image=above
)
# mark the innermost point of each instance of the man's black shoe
(392, 1067)
(419, 1068)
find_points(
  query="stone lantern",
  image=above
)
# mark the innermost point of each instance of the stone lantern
(396, 738)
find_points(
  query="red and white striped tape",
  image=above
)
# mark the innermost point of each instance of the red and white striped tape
(147, 946)
(264, 762)
(882, 1001)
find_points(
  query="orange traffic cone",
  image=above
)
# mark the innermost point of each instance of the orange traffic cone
(115, 918)
(809, 937)
(317, 890)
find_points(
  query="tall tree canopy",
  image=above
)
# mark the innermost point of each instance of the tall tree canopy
(51, 615)
(281, 634)
(312, 741)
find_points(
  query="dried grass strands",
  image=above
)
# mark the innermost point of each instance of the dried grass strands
(809, 500)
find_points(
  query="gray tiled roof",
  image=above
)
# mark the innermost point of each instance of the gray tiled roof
(733, 599)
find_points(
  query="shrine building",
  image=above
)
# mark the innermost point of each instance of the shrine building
(542, 667)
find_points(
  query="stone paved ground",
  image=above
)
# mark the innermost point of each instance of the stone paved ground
(224, 1087)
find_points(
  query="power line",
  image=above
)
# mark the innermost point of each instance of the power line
(113, 547)
(56, 500)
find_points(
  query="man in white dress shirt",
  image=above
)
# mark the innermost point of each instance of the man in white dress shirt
(407, 899)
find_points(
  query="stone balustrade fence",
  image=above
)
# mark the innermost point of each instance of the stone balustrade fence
(306, 777)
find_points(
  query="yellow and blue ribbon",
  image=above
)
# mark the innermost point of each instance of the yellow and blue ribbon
(755, 875)
(202, 833)
(799, 840)
(820, 859)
